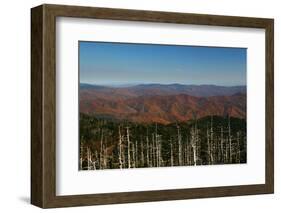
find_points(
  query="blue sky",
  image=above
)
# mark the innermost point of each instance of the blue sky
(106, 63)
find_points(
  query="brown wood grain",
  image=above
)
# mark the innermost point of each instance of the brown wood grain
(36, 106)
(43, 105)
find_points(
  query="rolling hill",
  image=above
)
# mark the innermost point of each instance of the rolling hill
(162, 103)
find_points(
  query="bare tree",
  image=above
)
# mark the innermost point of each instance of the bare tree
(153, 156)
(212, 141)
(209, 146)
(222, 146)
(184, 155)
(172, 155)
(179, 146)
(128, 147)
(105, 156)
(124, 159)
(159, 150)
(120, 149)
(136, 155)
(101, 150)
(156, 147)
(187, 155)
(151, 153)
(89, 161)
(194, 145)
(81, 153)
(95, 160)
(229, 140)
(147, 151)
(238, 155)
(157, 144)
(142, 154)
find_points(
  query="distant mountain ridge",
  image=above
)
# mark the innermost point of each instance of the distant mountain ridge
(162, 103)
(96, 91)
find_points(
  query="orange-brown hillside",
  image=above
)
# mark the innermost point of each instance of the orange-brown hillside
(158, 105)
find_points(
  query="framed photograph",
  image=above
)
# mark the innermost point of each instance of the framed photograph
(136, 106)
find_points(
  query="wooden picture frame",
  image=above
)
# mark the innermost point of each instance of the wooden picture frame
(43, 105)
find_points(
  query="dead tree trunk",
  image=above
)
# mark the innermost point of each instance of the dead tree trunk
(147, 151)
(179, 146)
(172, 155)
(105, 157)
(159, 151)
(186, 152)
(124, 159)
(101, 150)
(142, 154)
(96, 160)
(212, 142)
(194, 145)
(238, 155)
(222, 155)
(153, 151)
(229, 140)
(128, 147)
(120, 150)
(81, 154)
(209, 146)
(136, 155)
(185, 155)
(156, 147)
(88, 159)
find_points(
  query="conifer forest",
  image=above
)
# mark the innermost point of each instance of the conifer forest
(211, 140)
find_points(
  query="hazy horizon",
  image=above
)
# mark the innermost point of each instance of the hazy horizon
(153, 83)
(108, 63)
